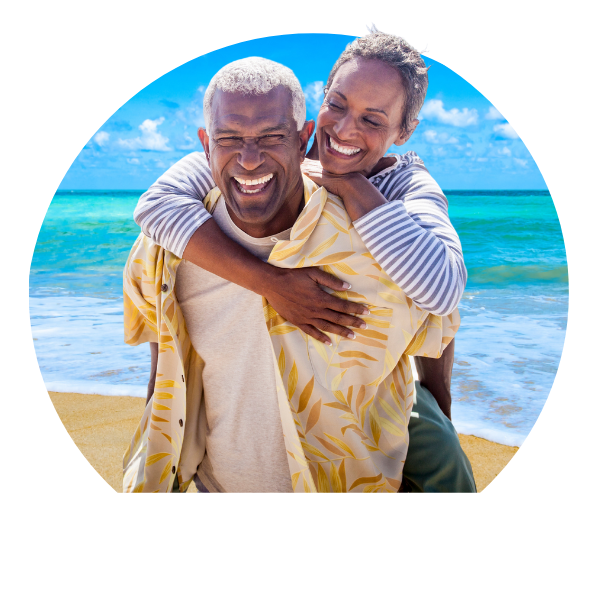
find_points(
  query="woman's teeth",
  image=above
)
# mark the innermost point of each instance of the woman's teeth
(347, 150)
(261, 181)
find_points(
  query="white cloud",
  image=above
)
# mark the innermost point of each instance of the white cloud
(133, 161)
(505, 151)
(314, 94)
(193, 113)
(434, 137)
(505, 130)
(493, 114)
(150, 139)
(434, 109)
(101, 138)
(520, 161)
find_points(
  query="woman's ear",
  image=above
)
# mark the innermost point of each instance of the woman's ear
(405, 134)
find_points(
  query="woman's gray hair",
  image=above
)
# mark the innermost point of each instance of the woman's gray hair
(255, 75)
(394, 51)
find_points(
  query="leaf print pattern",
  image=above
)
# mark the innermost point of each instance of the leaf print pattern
(344, 409)
(352, 413)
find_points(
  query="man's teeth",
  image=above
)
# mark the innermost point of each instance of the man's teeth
(254, 181)
(347, 150)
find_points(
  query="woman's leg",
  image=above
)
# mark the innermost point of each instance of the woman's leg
(435, 461)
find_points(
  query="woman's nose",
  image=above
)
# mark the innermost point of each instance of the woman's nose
(344, 127)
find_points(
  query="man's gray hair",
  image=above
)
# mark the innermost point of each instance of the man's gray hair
(255, 75)
(396, 52)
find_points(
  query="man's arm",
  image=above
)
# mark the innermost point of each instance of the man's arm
(153, 363)
(435, 374)
(172, 214)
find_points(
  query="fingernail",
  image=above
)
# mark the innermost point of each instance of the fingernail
(328, 343)
(346, 285)
(366, 311)
(351, 335)
(364, 326)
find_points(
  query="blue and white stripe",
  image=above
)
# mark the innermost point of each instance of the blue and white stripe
(411, 236)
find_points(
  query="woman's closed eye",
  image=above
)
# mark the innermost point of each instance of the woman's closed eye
(373, 122)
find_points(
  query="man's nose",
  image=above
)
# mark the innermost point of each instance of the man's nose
(250, 157)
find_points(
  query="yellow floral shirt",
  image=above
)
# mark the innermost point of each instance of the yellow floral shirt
(344, 409)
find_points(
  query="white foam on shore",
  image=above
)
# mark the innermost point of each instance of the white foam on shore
(102, 389)
(505, 363)
(506, 438)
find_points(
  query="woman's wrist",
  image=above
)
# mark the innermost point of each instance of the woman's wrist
(360, 196)
(265, 278)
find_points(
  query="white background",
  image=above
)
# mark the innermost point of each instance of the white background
(67, 67)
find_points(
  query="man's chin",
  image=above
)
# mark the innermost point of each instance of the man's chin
(250, 211)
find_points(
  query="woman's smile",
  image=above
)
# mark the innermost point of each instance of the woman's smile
(341, 149)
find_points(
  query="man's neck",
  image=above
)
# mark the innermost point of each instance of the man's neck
(284, 219)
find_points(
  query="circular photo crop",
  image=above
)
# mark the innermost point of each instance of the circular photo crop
(429, 205)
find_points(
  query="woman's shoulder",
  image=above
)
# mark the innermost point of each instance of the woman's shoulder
(408, 161)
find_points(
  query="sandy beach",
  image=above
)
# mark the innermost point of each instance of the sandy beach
(102, 426)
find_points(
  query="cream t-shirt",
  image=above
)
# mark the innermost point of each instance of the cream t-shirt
(245, 451)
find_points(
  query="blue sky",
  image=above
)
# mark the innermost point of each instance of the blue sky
(463, 140)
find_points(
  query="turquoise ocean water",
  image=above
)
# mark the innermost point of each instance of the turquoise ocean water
(514, 310)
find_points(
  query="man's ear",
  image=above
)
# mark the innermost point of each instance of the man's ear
(203, 136)
(304, 134)
(405, 135)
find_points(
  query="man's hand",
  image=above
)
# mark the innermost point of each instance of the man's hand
(295, 294)
(435, 374)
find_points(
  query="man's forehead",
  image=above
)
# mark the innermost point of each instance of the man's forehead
(236, 109)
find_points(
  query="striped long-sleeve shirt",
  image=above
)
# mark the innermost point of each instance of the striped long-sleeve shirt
(410, 236)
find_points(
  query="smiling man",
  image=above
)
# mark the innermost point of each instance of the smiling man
(232, 407)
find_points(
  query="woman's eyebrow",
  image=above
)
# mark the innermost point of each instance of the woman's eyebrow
(377, 110)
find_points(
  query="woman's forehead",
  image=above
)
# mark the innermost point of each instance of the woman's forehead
(373, 78)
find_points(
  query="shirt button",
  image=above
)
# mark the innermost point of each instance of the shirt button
(274, 239)
(180, 422)
(164, 287)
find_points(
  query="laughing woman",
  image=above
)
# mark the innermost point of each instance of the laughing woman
(372, 99)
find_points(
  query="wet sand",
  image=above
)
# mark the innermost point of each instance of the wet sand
(102, 426)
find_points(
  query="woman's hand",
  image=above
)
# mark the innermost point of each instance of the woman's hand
(295, 294)
(359, 195)
(336, 184)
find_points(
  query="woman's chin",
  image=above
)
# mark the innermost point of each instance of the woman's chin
(338, 167)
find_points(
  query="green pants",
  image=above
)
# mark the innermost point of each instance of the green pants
(435, 461)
